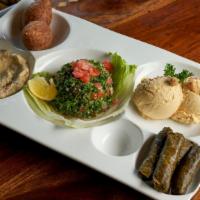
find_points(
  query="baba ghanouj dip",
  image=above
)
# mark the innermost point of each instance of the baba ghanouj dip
(14, 73)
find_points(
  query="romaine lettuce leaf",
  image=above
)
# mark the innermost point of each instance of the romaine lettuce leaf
(122, 76)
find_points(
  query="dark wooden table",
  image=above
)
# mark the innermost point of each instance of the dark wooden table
(29, 171)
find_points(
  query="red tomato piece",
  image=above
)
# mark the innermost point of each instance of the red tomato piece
(85, 78)
(83, 70)
(82, 64)
(107, 65)
(77, 73)
(109, 81)
(98, 86)
(100, 94)
(94, 72)
(85, 66)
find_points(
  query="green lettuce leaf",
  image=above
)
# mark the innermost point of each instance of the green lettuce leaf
(122, 75)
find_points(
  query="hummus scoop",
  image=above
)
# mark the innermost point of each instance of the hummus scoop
(15, 68)
(158, 98)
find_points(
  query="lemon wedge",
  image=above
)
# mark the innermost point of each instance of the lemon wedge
(42, 89)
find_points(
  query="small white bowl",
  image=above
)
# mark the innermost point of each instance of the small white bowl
(118, 138)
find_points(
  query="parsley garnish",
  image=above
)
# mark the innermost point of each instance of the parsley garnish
(183, 75)
(170, 70)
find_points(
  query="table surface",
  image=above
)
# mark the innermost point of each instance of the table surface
(29, 171)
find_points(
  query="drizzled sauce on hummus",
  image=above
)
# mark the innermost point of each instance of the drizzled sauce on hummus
(14, 72)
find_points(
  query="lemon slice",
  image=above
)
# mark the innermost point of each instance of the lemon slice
(42, 89)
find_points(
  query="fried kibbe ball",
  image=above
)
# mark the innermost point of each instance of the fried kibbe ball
(37, 35)
(38, 11)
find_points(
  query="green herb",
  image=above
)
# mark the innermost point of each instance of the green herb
(170, 70)
(183, 75)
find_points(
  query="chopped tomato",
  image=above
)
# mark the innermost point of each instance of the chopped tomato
(108, 65)
(109, 81)
(82, 64)
(78, 73)
(98, 86)
(100, 94)
(83, 70)
(85, 78)
(94, 72)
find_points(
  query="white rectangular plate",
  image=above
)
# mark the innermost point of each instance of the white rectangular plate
(77, 143)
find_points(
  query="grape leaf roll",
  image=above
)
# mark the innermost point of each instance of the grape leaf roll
(186, 171)
(167, 162)
(147, 167)
(187, 144)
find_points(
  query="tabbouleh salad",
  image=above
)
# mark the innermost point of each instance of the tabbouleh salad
(82, 89)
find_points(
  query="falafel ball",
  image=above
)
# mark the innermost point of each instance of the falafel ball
(37, 35)
(38, 11)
